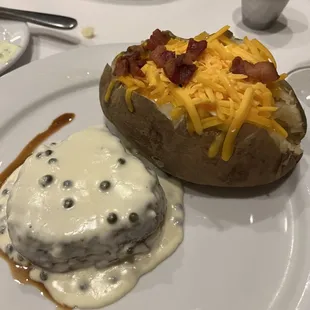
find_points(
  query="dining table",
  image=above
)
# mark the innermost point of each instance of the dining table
(124, 21)
(130, 22)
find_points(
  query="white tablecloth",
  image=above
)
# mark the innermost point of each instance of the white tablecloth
(133, 20)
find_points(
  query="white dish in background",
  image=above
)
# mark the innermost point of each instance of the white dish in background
(299, 78)
(243, 249)
(16, 33)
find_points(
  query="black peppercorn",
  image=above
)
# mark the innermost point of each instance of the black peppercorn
(43, 275)
(68, 203)
(105, 185)
(121, 161)
(46, 180)
(67, 184)
(133, 217)
(52, 161)
(112, 218)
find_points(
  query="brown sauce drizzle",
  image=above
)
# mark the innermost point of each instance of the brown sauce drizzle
(56, 125)
(20, 273)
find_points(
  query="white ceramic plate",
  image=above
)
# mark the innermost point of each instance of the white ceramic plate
(16, 33)
(299, 78)
(243, 250)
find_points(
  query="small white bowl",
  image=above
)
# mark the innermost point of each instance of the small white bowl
(16, 33)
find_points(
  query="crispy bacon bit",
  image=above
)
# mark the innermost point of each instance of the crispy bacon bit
(141, 63)
(185, 74)
(121, 67)
(136, 49)
(160, 55)
(170, 67)
(179, 69)
(263, 71)
(158, 37)
(195, 48)
(130, 62)
(179, 72)
(168, 55)
(134, 68)
(155, 55)
(185, 59)
(238, 66)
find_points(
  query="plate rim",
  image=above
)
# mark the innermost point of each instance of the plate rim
(18, 75)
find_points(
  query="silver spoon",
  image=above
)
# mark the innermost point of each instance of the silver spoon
(43, 19)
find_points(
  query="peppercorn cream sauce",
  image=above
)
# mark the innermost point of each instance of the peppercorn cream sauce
(90, 207)
(93, 288)
(97, 287)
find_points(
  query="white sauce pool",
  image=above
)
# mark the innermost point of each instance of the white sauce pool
(106, 286)
(95, 288)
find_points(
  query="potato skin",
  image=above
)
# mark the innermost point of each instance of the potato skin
(256, 160)
(297, 136)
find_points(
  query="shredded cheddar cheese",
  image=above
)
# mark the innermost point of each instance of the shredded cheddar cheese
(128, 98)
(264, 51)
(184, 99)
(109, 90)
(218, 33)
(241, 115)
(215, 97)
(202, 36)
(216, 145)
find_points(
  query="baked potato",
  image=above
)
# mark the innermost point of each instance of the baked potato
(210, 110)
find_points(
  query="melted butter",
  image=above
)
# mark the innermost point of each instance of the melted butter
(7, 51)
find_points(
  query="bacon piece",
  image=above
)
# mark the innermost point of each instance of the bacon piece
(158, 37)
(136, 48)
(179, 72)
(184, 74)
(121, 67)
(185, 59)
(160, 55)
(155, 55)
(130, 63)
(134, 68)
(168, 55)
(180, 69)
(170, 67)
(141, 63)
(263, 71)
(238, 66)
(195, 48)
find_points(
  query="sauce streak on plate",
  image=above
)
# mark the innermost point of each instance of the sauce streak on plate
(56, 125)
(88, 287)
(20, 273)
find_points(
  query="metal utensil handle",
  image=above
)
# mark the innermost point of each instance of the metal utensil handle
(43, 19)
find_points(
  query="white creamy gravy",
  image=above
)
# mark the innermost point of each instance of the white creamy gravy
(93, 173)
(5, 241)
(103, 287)
(93, 288)
(85, 166)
